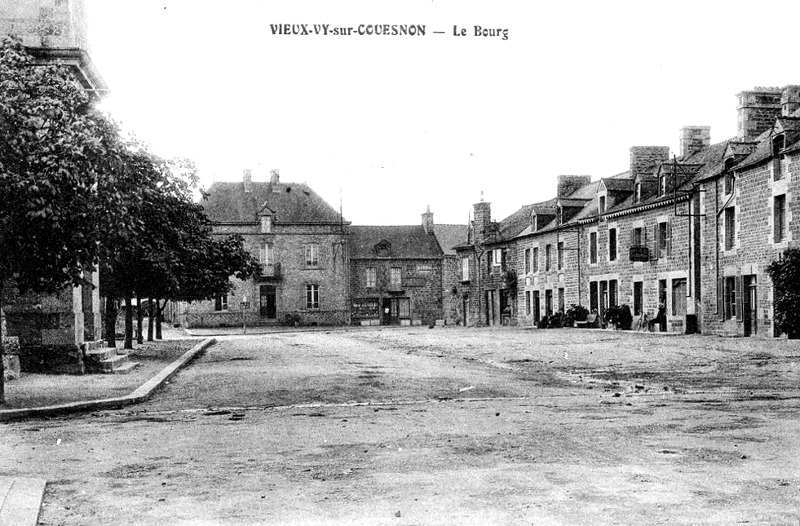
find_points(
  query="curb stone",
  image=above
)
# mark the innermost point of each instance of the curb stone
(143, 393)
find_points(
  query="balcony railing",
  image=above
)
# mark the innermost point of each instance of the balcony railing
(639, 253)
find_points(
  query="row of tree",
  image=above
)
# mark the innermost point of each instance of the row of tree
(77, 195)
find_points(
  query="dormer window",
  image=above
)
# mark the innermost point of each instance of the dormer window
(778, 144)
(266, 224)
(383, 249)
(601, 207)
(662, 186)
(637, 189)
(560, 215)
(534, 223)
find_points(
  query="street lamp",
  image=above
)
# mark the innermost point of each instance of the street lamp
(244, 304)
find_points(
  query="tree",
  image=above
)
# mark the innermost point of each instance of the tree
(785, 276)
(58, 160)
(172, 254)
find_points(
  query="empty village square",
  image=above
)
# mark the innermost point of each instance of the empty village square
(333, 263)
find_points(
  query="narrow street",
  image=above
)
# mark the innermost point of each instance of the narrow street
(448, 426)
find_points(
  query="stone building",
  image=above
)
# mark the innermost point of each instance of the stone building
(751, 208)
(52, 329)
(396, 276)
(301, 242)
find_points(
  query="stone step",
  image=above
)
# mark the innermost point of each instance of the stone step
(98, 355)
(125, 369)
(115, 362)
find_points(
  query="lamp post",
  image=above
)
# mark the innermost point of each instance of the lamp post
(245, 304)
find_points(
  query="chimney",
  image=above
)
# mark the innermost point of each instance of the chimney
(757, 111)
(248, 180)
(482, 220)
(427, 221)
(274, 176)
(568, 184)
(693, 139)
(645, 158)
(790, 100)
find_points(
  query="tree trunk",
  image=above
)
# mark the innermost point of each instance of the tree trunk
(2, 366)
(111, 322)
(128, 323)
(159, 311)
(139, 320)
(150, 319)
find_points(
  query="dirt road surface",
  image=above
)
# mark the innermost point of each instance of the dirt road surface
(414, 426)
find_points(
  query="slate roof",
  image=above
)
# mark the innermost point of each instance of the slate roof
(289, 202)
(451, 236)
(407, 242)
(790, 126)
(512, 225)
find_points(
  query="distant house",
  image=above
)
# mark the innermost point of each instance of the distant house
(301, 242)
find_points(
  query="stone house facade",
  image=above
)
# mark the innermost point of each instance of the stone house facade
(689, 237)
(396, 276)
(301, 242)
(753, 200)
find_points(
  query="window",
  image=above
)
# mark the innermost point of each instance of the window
(779, 217)
(395, 277)
(638, 192)
(266, 224)
(730, 298)
(267, 254)
(536, 306)
(662, 185)
(612, 244)
(527, 303)
(535, 259)
(663, 239)
(547, 250)
(730, 181)
(730, 227)
(777, 164)
(560, 255)
(637, 238)
(561, 300)
(312, 254)
(221, 303)
(602, 206)
(464, 269)
(593, 247)
(527, 261)
(497, 257)
(312, 296)
(372, 277)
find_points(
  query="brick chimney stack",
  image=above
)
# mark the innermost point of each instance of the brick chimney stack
(693, 139)
(758, 110)
(790, 100)
(247, 177)
(568, 184)
(274, 176)
(645, 158)
(482, 221)
(427, 221)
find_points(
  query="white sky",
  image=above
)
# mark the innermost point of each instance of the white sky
(400, 123)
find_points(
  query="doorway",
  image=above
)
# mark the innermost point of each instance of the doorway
(749, 305)
(268, 304)
(395, 310)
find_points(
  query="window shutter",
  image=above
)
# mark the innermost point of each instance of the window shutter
(669, 238)
(739, 294)
(721, 298)
(654, 255)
